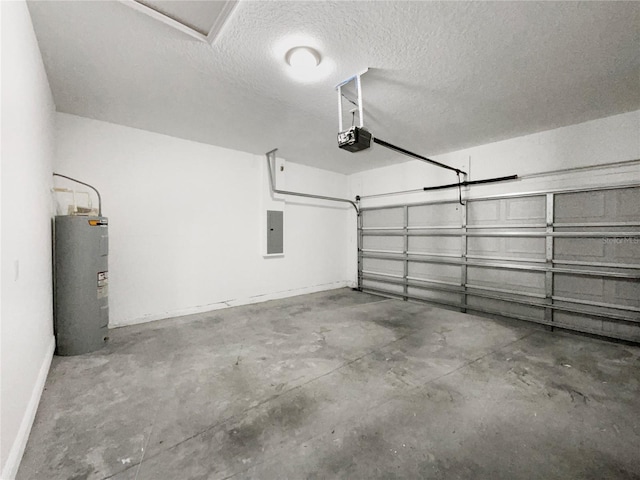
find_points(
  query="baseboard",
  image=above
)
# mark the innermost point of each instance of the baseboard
(235, 303)
(10, 469)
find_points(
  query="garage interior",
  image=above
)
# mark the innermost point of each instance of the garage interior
(279, 307)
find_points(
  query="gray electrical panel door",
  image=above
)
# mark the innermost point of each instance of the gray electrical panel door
(81, 302)
(275, 226)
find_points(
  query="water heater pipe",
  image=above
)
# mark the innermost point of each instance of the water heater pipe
(86, 185)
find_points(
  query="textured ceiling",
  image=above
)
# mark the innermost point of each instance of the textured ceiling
(442, 75)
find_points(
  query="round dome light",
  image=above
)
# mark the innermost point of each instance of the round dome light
(303, 57)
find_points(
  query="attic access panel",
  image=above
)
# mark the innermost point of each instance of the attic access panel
(204, 19)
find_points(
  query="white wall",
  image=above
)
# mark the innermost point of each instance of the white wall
(27, 155)
(603, 141)
(186, 221)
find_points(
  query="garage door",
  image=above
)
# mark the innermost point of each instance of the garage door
(563, 259)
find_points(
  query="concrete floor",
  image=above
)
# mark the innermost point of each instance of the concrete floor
(340, 385)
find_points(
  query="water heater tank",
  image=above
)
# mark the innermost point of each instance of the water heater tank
(81, 283)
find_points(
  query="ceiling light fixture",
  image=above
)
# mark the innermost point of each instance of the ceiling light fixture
(303, 57)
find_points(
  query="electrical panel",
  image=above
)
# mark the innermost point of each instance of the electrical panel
(275, 232)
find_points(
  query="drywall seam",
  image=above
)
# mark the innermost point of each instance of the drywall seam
(12, 464)
(237, 302)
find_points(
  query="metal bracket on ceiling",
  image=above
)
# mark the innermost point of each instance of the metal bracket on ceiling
(357, 103)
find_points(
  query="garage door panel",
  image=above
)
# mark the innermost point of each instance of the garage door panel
(588, 249)
(516, 280)
(622, 330)
(525, 210)
(627, 204)
(579, 287)
(612, 291)
(625, 250)
(528, 247)
(602, 326)
(438, 296)
(626, 292)
(507, 211)
(445, 214)
(388, 243)
(517, 247)
(389, 267)
(579, 321)
(504, 308)
(485, 246)
(389, 217)
(622, 249)
(435, 272)
(591, 308)
(436, 245)
(615, 205)
(579, 207)
(483, 212)
(382, 286)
